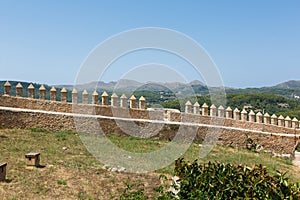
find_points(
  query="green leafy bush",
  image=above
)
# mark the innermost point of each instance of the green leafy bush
(226, 181)
(218, 181)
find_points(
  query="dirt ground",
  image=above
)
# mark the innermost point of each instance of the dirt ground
(66, 173)
(58, 182)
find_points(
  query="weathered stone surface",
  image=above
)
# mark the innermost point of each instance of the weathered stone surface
(11, 119)
(233, 132)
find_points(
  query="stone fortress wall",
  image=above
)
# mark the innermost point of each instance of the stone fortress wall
(271, 133)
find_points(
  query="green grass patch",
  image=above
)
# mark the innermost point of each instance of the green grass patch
(61, 182)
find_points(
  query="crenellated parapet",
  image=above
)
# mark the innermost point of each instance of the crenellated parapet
(237, 117)
(240, 116)
(61, 100)
(86, 98)
(54, 108)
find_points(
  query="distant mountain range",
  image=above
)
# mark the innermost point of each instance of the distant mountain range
(125, 85)
(288, 89)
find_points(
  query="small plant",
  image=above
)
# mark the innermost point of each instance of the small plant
(60, 135)
(61, 182)
(133, 191)
(85, 196)
(163, 190)
(251, 144)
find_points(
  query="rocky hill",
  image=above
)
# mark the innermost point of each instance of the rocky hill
(289, 84)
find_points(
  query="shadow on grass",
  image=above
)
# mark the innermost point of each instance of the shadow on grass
(3, 136)
(7, 181)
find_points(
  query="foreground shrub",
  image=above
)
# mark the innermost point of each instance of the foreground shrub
(226, 181)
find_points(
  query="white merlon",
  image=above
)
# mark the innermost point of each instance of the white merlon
(19, 90)
(295, 123)
(229, 113)
(221, 111)
(142, 103)
(85, 97)
(123, 101)
(274, 119)
(251, 116)
(204, 109)
(132, 102)
(280, 120)
(42, 90)
(287, 122)
(104, 98)
(74, 96)
(188, 107)
(95, 97)
(267, 118)
(244, 115)
(114, 100)
(196, 108)
(259, 116)
(31, 91)
(63, 95)
(213, 111)
(236, 114)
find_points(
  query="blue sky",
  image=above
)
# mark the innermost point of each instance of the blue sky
(253, 43)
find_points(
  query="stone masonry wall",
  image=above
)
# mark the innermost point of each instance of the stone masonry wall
(186, 117)
(272, 133)
(228, 137)
(54, 106)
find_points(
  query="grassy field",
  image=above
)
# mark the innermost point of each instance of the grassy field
(70, 172)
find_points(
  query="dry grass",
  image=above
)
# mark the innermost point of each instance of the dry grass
(68, 174)
(73, 173)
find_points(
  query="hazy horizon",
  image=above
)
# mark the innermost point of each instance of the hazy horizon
(115, 81)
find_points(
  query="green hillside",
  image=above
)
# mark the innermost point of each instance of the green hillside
(285, 92)
(273, 104)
